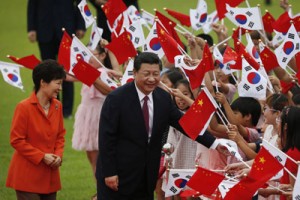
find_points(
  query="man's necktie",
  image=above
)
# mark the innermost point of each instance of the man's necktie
(146, 113)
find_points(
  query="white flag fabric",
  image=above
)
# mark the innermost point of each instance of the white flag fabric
(78, 50)
(225, 186)
(95, 37)
(136, 34)
(148, 18)
(86, 13)
(232, 147)
(247, 18)
(179, 63)
(288, 48)
(296, 192)
(198, 16)
(152, 43)
(251, 49)
(219, 58)
(252, 84)
(211, 18)
(276, 153)
(135, 15)
(278, 37)
(128, 74)
(107, 80)
(11, 74)
(177, 180)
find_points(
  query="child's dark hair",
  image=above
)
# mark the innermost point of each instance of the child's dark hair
(107, 62)
(174, 75)
(186, 83)
(48, 70)
(246, 106)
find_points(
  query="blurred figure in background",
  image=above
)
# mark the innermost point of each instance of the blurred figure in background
(45, 20)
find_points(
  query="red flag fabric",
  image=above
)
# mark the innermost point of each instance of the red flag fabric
(168, 43)
(122, 47)
(29, 62)
(197, 118)
(229, 55)
(64, 52)
(282, 24)
(182, 18)
(264, 167)
(285, 87)
(117, 29)
(112, 9)
(268, 59)
(86, 73)
(205, 181)
(268, 20)
(169, 25)
(221, 6)
(196, 75)
(241, 50)
(236, 33)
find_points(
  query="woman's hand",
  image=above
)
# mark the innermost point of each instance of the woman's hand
(49, 158)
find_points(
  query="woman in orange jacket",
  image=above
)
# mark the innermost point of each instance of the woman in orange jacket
(37, 135)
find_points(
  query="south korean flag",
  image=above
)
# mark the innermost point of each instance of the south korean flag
(288, 48)
(136, 34)
(247, 18)
(252, 84)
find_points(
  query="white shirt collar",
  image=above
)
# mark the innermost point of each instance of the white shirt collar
(142, 95)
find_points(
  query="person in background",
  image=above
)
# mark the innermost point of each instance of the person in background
(45, 20)
(37, 135)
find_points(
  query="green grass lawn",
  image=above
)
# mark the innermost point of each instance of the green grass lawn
(76, 174)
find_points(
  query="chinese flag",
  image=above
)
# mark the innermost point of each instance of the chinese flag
(205, 181)
(118, 28)
(282, 24)
(268, 59)
(169, 25)
(264, 167)
(229, 55)
(122, 47)
(268, 20)
(221, 6)
(285, 87)
(240, 49)
(112, 9)
(236, 33)
(64, 52)
(29, 62)
(198, 116)
(182, 18)
(168, 43)
(85, 72)
(196, 76)
(238, 63)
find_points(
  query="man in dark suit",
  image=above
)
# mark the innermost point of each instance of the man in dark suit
(45, 20)
(130, 136)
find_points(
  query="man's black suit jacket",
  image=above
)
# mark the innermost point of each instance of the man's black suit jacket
(48, 17)
(123, 141)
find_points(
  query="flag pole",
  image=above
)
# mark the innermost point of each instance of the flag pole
(280, 150)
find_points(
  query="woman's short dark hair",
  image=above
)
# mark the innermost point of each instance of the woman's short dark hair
(148, 58)
(47, 71)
